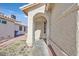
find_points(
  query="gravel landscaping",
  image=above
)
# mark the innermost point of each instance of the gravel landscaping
(18, 48)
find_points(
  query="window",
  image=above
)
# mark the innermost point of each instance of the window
(24, 28)
(20, 28)
(4, 22)
(0, 21)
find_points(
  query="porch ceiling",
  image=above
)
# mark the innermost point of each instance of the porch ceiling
(39, 19)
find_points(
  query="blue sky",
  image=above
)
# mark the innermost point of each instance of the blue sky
(14, 8)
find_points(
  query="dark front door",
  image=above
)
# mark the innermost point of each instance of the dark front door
(15, 33)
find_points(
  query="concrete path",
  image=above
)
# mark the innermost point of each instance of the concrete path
(40, 49)
(10, 41)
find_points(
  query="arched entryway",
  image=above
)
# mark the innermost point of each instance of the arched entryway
(40, 27)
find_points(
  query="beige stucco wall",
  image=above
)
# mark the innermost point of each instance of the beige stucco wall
(63, 30)
(31, 15)
(77, 33)
(61, 27)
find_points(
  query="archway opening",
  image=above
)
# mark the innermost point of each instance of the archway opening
(40, 27)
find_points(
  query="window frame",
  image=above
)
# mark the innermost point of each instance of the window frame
(4, 22)
(20, 28)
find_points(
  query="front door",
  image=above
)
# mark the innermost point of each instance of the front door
(15, 33)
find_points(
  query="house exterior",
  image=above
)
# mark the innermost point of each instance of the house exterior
(9, 28)
(57, 24)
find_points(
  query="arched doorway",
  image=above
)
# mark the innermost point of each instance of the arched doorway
(40, 27)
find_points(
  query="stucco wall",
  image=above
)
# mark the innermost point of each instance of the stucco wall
(77, 34)
(17, 29)
(7, 30)
(63, 30)
(31, 14)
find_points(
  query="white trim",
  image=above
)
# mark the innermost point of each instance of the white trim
(25, 6)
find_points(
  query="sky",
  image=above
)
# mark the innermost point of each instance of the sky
(14, 8)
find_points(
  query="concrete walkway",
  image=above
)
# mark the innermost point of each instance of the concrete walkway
(40, 49)
(10, 41)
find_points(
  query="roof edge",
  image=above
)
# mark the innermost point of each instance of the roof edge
(27, 7)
